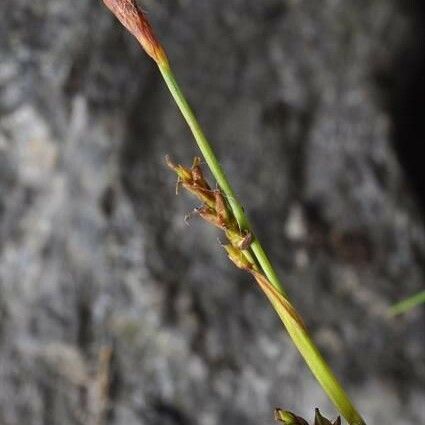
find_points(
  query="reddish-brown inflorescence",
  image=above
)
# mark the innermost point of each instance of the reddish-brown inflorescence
(133, 18)
(214, 209)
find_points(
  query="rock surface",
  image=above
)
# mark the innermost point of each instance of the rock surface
(112, 311)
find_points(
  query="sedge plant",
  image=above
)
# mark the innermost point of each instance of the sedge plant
(221, 208)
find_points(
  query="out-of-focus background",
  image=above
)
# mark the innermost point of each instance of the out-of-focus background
(112, 310)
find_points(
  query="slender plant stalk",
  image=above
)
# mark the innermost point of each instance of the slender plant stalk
(135, 21)
(313, 358)
(407, 304)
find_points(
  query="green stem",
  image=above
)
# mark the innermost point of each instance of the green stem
(323, 373)
(407, 304)
(299, 335)
(317, 364)
(218, 174)
(325, 376)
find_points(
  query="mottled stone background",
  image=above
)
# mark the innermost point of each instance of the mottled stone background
(112, 311)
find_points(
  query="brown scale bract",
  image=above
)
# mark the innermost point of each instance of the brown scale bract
(133, 18)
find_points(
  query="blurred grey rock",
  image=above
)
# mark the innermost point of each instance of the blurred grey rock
(94, 253)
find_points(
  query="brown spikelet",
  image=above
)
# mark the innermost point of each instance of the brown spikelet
(133, 18)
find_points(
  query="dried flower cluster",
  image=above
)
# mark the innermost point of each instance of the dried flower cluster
(215, 210)
(288, 418)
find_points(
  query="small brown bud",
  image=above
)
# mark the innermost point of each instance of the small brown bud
(288, 418)
(239, 240)
(197, 174)
(220, 206)
(320, 420)
(238, 258)
(204, 195)
(246, 241)
(184, 174)
(133, 18)
(210, 216)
